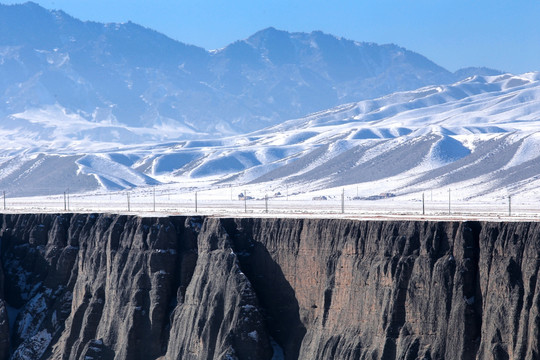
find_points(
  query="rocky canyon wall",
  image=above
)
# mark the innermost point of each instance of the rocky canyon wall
(101, 286)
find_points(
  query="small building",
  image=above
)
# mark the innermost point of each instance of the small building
(241, 196)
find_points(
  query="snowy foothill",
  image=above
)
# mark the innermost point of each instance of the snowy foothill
(478, 139)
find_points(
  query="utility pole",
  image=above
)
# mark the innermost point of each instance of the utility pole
(343, 201)
(449, 212)
(196, 202)
(266, 203)
(509, 205)
(423, 205)
(128, 204)
(65, 202)
(245, 201)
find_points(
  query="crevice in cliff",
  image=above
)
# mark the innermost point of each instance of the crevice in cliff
(523, 307)
(330, 283)
(187, 231)
(472, 292)
(276, 296)
(398, 311)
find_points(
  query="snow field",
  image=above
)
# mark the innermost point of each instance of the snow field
(480, 137)
(217, 202)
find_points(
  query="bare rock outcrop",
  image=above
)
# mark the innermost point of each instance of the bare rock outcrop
(4, 319)
(218, 317)
(396, 289)
(94, 286)
(98, 286)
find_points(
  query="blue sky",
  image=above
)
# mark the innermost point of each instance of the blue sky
(503, 35)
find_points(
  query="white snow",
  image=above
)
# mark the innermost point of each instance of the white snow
(407, 143)
(249, 307)
(254, 335)
(33, 347)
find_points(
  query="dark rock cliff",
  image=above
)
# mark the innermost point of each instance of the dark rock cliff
(97, 286)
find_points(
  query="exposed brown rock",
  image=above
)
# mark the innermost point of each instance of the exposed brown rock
(100, 286)
(389, 290)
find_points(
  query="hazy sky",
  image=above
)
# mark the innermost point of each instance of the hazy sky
(503, 35)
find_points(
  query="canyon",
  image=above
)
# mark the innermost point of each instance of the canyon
(104, 286)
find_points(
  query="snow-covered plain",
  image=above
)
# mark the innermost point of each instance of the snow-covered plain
(171, 199)
(478, 138)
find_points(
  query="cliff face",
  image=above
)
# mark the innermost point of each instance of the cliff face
(108, 286)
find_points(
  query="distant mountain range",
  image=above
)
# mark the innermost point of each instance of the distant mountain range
(123, 83)
(90, 106)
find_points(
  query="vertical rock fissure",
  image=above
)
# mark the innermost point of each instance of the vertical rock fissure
(398, 311)
(529, 307)
(275, 294)
(219, 317)
(522, 308)
(187, 230)
(330, 283)
(473, 333)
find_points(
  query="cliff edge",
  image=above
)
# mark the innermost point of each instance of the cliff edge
(101, 286)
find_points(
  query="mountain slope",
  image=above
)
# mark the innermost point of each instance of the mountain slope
(480, 135)
(113, 76)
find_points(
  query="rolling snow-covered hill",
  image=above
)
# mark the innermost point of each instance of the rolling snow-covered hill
(480, 135)
(74, 83)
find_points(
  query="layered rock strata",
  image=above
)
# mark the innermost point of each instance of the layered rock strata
(99, 286)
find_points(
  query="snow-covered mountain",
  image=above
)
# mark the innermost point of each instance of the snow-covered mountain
(480, 135)
(72, 82)
(90, 106)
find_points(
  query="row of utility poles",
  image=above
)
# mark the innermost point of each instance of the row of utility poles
(245, 198)
(66, 200)
(450, 203)
(424, 202)
(343, 202)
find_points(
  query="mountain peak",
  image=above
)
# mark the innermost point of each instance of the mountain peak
(31, 5)
(131, 75)
(28, 7)
(269, 34)
(269, 31)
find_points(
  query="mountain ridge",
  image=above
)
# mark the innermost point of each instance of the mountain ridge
(133, 76)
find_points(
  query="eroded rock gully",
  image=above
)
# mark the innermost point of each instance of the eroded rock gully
(99, 286)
